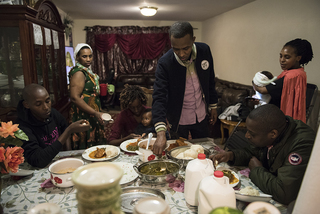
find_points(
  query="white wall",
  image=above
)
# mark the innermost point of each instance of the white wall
(249, 39)
(79, 35)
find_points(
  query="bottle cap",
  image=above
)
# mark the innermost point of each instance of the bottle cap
(218, 174)
(201, 156)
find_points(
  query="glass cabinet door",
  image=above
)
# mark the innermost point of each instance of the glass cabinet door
(11, 72)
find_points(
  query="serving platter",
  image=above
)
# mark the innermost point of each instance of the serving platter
(251, 198)
(86, 153)
(131, 195)
(129, 174)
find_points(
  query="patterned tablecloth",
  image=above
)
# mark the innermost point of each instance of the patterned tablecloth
(19, 196)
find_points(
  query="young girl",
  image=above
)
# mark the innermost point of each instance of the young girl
(289, 91)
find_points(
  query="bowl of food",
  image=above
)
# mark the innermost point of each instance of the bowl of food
(157, 171)
(143, 152)
(61, 171)
(184, 154)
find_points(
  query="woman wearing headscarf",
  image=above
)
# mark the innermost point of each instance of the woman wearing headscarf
(84, 94)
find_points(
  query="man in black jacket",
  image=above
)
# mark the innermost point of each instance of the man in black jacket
(46, 128)
(279, 154)
(184, 89)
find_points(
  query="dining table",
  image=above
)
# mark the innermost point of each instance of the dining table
(20, 194)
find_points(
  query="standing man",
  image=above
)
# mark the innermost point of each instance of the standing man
(184, 90)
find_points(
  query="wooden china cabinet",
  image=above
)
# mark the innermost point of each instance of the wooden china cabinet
(32, 50)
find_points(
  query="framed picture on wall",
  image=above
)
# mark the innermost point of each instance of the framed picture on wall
(70, 61)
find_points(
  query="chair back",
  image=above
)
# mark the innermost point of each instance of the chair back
(311, 98)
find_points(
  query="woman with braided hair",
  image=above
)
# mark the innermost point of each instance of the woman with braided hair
(132, 101)
(289, 90)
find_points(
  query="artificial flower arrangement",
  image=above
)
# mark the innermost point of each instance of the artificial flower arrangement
(11, 153)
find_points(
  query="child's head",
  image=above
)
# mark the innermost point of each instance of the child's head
(37, 99)
(147, 118)
(295, 53)
(263, 78)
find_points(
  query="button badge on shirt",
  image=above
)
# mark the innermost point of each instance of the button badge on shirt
(205, 64)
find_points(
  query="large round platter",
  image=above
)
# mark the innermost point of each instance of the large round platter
(131, 195)
(129, 174)
(124, 144)
(86, 153)
(251, 198)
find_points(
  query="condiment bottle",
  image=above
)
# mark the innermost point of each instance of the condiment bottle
(196, 170)
(215, 191)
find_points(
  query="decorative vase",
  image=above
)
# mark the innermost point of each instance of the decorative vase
(98, 188)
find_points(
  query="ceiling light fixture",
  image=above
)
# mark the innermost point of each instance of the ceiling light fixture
(148, 11)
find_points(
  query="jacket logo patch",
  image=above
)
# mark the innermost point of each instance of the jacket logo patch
(205, 64)
(295, 159)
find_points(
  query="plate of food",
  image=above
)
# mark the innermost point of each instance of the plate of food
(232, 175)
(101, 153)
(129, 174)
(130, 146)
(250, 194)
(177, 143)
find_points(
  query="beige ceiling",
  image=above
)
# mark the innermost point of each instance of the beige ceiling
(171, 10)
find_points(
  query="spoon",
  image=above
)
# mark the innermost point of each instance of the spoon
(150, 135)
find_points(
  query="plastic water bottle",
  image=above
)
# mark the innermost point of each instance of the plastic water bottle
(196, 170)
(215, 191)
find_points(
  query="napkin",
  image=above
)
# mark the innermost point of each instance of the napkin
(47, 184)
(176, 184)
(245, 172)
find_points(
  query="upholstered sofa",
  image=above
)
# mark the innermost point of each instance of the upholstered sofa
(229, 93)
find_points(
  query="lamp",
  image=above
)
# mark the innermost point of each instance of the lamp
(148, 11)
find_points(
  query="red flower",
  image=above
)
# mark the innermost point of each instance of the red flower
(57, 180)
(14, 157)
(151, 157)
(163, 153)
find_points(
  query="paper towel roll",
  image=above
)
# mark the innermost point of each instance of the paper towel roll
(309, 194)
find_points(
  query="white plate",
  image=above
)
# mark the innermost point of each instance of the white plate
(173, 141)
(129, 174)
(124, 144)
(86, 153)
(22, 172)
(46, 208)
(250, 198)
(233, 172)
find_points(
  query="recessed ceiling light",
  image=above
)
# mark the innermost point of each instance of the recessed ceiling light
(148, 11)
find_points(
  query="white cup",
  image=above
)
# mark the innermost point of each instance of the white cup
(63, 179)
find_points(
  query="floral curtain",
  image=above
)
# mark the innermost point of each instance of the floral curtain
(127, 49)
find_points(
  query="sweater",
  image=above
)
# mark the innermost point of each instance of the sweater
(43, 144)
(170, 84)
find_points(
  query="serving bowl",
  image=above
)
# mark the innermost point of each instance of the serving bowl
(61, 171)
(152, 171)
(183, 162)
(144, 153)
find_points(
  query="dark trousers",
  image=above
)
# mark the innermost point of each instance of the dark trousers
(198, 130)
